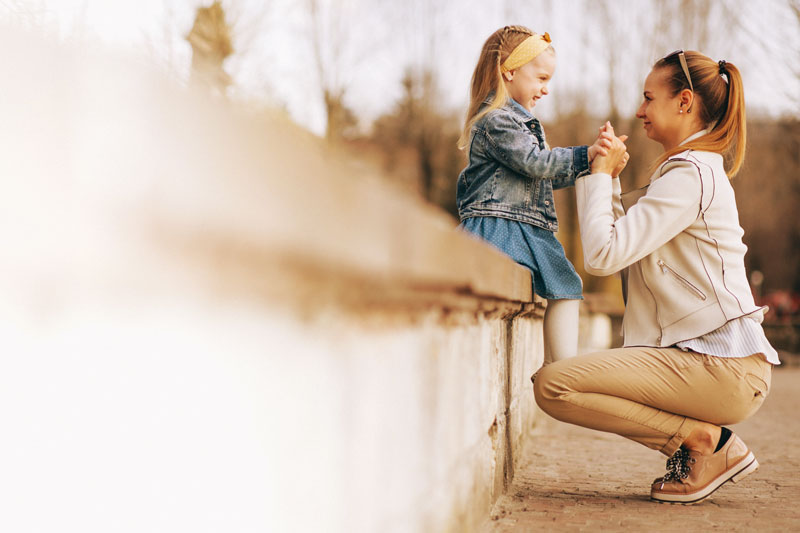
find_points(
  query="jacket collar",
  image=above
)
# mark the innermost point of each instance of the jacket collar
(694, 136)
(512, 106)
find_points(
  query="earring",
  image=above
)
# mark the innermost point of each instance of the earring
(680, 111)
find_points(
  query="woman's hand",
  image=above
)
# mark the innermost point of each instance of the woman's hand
(617, 171)
(603, 142)
(616, 156)
(607, 128)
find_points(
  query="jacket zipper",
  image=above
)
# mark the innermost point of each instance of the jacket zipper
(666, 269)
(655, 303)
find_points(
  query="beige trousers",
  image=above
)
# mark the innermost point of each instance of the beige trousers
(654, 396)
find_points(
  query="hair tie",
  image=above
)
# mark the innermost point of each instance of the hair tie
(723, 69)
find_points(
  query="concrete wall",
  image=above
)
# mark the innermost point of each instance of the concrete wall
(403, 428)
(212, 323)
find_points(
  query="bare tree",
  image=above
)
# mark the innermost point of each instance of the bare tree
(246, 22)
(251, 23)
(418, 130)
(211, 44)
(794, 5)
(31, 14)
(330, 36)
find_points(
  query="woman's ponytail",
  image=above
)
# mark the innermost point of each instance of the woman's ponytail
(732, 126)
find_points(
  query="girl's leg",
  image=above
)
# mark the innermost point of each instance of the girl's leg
(561, 330)
(654, 396)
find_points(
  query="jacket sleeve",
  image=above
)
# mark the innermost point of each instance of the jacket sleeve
(506, 142)
(616, 198)
(671, 205)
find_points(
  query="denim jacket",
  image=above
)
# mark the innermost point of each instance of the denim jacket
(511, 173)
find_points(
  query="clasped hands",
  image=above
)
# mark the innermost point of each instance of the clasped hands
(608, 154)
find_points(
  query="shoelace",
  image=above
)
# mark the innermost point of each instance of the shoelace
(677, 467)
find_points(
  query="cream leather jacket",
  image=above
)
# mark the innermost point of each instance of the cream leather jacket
(680, 243)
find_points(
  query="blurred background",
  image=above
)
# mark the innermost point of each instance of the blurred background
(233, 299)
(387, 82)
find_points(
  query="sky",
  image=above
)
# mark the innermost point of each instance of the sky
(122, 22)
(274, 62)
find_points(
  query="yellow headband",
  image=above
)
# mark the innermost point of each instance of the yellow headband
(526, 51)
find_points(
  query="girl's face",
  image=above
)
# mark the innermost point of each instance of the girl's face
(528, 83)
(660, 111)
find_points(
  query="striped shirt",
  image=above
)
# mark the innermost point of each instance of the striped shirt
(741, 337)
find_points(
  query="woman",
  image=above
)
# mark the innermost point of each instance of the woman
(695, 355)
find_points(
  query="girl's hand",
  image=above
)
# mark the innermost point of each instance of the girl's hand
(608, 130)
(601, 145)
(607, 164)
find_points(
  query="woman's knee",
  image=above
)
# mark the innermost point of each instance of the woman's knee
(545, 387)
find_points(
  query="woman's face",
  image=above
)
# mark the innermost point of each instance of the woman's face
(528, 83)
(660, 111)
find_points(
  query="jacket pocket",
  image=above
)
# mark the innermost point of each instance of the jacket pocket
(667, 271)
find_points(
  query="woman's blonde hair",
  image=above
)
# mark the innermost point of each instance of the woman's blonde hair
(487, 78)
(720, 105)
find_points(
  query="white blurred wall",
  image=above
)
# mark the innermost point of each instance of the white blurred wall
(210, 322)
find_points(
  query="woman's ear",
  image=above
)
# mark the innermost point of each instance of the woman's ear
(509, 75)
(687, 99)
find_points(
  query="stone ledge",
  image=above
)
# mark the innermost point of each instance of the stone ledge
(360, 229)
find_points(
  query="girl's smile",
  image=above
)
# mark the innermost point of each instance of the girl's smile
(528, 83)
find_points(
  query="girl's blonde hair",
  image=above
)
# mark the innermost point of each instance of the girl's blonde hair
(720, 106)
(487, 78)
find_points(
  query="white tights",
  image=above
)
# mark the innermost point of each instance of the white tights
(560, 330)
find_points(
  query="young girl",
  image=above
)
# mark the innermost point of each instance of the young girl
(505, 194)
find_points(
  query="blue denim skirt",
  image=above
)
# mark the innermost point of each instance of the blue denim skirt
(553, 276)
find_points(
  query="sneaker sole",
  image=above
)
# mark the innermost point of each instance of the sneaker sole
(744, 468)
